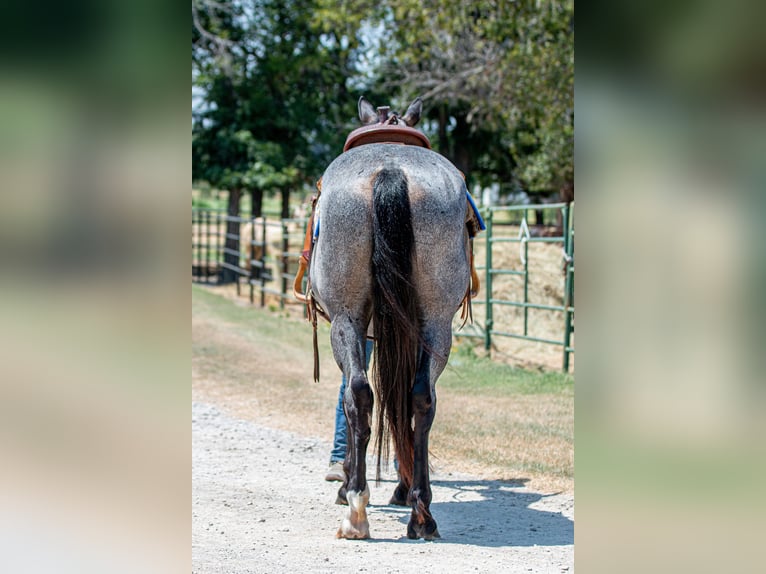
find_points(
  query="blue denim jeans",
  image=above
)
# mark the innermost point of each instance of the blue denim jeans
(338, 453)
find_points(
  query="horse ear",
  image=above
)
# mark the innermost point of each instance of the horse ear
(366, 112)
(412, 116)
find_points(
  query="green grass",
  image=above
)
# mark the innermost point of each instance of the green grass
(492, 419)
(477, 375)
(252, 322)
(207, 198)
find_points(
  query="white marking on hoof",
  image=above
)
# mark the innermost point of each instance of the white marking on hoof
(355, 525)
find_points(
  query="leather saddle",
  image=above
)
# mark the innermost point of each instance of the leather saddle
(390, 133)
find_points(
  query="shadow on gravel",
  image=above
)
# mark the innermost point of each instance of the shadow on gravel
(493, 513)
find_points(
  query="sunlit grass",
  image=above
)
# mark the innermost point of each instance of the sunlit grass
(492, 420)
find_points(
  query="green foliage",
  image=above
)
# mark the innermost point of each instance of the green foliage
(497, 78)
(503, 69)
(205, 203)
(280, 80)
(273, 91)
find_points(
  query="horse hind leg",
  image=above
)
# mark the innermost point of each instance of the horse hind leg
(348, 347)
(422, 523)
(431, 363)
(358, 402)
(399, 497)
(401, 493)
(418, 494)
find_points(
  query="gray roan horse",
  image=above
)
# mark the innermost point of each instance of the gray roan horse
(392, 256)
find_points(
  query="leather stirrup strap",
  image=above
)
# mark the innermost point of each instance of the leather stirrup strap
(466, 313)
(472, 291)
(303, 260)
(475, 283)
(298, 281)
(303, 265)
(313, 317)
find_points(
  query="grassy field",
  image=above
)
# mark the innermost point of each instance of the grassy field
(492, 420)
(207, 198)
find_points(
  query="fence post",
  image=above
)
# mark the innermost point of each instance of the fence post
(250, 258)
(263, 262)
(194, 252)
(285, 249)
(488, 323)
(568, 284)
(218, 247)
(526, 279)
(239, 258)
(207, 246)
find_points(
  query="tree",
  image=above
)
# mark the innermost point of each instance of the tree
(278, 82)
(274, 102)
(497, 78)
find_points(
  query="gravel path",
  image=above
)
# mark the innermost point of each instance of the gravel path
(260, 504)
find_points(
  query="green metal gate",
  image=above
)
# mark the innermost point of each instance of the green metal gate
(563, 233)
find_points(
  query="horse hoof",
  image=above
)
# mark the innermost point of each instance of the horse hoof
(341, 498)
(351, 532)
(426, 531)
(355, 525)
(399, 498)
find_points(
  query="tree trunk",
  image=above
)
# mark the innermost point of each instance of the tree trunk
(285, 202)
(566, 192)
(461, 156)
(231, 254)
(566, 195)
(257, 204)
(443, 140)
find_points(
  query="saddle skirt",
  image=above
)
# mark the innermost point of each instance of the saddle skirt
(390, 133)
(393, 131)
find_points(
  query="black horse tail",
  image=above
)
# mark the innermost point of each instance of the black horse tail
(396, 322)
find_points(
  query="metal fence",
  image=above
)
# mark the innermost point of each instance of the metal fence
(207, 230)
(524, 225)
(263, 255)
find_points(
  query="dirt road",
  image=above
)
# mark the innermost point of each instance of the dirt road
(260, 504)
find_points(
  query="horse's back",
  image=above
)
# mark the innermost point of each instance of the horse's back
(437, 198)
(431, 177)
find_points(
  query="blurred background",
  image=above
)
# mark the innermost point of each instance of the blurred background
(95, 172)
(670, 146)
(276, 85)
(94, 358)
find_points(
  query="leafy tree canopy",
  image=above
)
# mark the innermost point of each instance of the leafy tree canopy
(273, 91)
(281, 78)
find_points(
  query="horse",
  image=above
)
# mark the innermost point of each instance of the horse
(392, 260)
